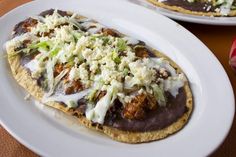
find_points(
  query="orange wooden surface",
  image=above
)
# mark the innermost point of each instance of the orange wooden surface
(217, 38)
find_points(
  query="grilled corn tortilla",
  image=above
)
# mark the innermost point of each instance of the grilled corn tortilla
(24, 77)
(199, 7)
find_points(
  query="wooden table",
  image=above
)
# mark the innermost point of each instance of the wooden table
(217, 38)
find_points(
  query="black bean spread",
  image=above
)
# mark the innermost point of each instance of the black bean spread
(193, 6)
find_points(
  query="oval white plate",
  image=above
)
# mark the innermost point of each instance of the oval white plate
(50, 134)
(226, 21)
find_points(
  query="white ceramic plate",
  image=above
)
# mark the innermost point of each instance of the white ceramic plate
(226, 21)
(50, 134)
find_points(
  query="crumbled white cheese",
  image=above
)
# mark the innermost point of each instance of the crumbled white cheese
(83, 72)
(87, 53)
(63, 33)
(94, 66)
(143, 75)
(49, 23)
(74, 74)
(163, 63)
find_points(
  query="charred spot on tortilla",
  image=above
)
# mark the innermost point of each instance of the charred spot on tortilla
(110, 82)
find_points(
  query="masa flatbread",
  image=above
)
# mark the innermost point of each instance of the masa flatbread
(23, 77)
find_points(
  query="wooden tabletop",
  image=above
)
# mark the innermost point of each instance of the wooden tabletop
(217, 38)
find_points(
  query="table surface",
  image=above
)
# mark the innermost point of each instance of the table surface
(217, 38)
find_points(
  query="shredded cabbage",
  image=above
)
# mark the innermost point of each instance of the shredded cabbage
(97, 114)
(49, 71)
(116, 57)
(121, 45)
(159, 94)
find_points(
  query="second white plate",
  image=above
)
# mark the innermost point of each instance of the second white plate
(225, 21)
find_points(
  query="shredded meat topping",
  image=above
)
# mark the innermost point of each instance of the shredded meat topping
(58, 69)
(75, 87)
(138, 106)
(108, 31)
(141, 52)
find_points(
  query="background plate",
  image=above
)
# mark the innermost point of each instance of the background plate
(226, 21)
(50, 133)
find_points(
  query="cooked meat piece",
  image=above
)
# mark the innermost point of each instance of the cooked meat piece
(46, 33)
(135, 109)
(58, 69)
(64, 24)
(24, 26)
(139, 105)
(100, 94)
(75, 87)
(141, 51)
(108, 31)
(81, 108)
(151, 102)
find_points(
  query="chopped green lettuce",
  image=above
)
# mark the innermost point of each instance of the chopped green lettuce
(159, 94)
(115, 57)
(54, 52)
(91, 95)
(46, 45)
(121, 45)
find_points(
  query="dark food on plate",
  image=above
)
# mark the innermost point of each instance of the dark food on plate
(111, 82)
(199, 7)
